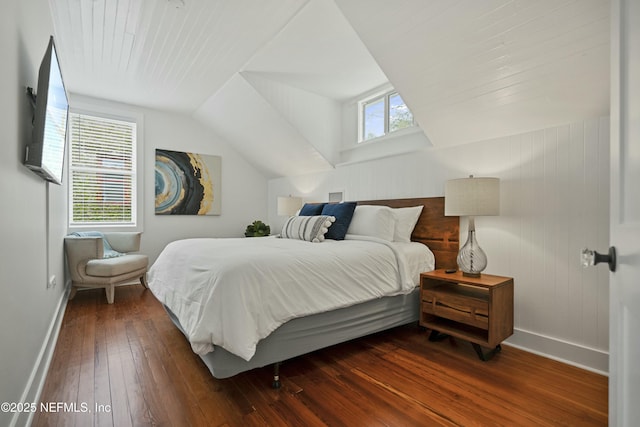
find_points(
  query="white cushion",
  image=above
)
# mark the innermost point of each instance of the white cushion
(110, 267)
(309, 228)
(406, 220)
(374, 221)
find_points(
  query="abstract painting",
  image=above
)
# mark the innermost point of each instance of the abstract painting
(187, 183)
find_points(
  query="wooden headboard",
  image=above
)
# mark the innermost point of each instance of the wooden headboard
(440, 233)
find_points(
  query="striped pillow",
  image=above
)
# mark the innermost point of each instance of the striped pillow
(309, 228)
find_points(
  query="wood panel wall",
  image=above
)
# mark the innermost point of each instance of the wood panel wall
(555, 201)
(554, 190)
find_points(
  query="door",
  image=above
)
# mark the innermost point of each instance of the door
(624, 293)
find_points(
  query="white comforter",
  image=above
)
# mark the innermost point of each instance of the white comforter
(234, 292)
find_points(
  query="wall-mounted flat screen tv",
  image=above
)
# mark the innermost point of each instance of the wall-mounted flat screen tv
(45, 154)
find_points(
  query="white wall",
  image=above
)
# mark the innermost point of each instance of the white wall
(244, 190)
(554, 189)
(32, 216)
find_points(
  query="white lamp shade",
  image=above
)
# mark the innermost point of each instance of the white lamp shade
(288, 206)
(472, 197)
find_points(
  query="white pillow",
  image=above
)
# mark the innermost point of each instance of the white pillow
(374, 221)
(406, 220)
(309, 228)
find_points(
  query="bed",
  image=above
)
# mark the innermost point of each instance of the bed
(256, 338)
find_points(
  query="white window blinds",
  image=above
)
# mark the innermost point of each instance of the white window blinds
(102, 171)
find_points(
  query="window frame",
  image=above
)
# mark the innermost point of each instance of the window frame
(108, 113)
(385, 96)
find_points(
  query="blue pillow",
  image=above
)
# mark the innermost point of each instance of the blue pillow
(311, 209)
(343, 213)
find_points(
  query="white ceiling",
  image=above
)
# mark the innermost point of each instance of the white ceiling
(469, 69)
(319, 52)
(477, 69)
(270, 142)
(148, 52)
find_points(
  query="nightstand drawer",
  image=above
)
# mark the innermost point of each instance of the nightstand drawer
(461, 305)
(477, 309)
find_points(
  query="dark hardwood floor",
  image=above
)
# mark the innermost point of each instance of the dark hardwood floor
(127, 365)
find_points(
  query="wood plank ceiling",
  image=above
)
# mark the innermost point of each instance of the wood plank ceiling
(158, 53)
(470, 69)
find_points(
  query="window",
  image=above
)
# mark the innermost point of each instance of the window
(384, 114)
(102, 171)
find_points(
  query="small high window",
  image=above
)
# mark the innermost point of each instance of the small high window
(384, 114)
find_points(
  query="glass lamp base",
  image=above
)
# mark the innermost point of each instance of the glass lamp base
(465, 274)
(471, 259)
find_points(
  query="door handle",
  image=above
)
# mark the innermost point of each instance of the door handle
(590, 257)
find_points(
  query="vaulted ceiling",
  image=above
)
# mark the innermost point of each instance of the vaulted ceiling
(477, 69)
(469, 70)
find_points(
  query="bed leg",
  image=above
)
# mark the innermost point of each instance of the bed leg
(276, 376)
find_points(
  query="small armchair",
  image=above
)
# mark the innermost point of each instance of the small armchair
(89, 268)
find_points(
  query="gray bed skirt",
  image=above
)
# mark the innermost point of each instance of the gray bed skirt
(306, 334)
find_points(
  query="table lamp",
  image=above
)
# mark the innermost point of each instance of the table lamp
(472, 197)
(288, 206)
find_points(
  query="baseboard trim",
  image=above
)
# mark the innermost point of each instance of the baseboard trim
(33, 390)
(570, 353)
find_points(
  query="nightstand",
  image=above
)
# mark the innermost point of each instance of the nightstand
(475, 309)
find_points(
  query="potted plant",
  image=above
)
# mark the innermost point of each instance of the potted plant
(257, 229)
